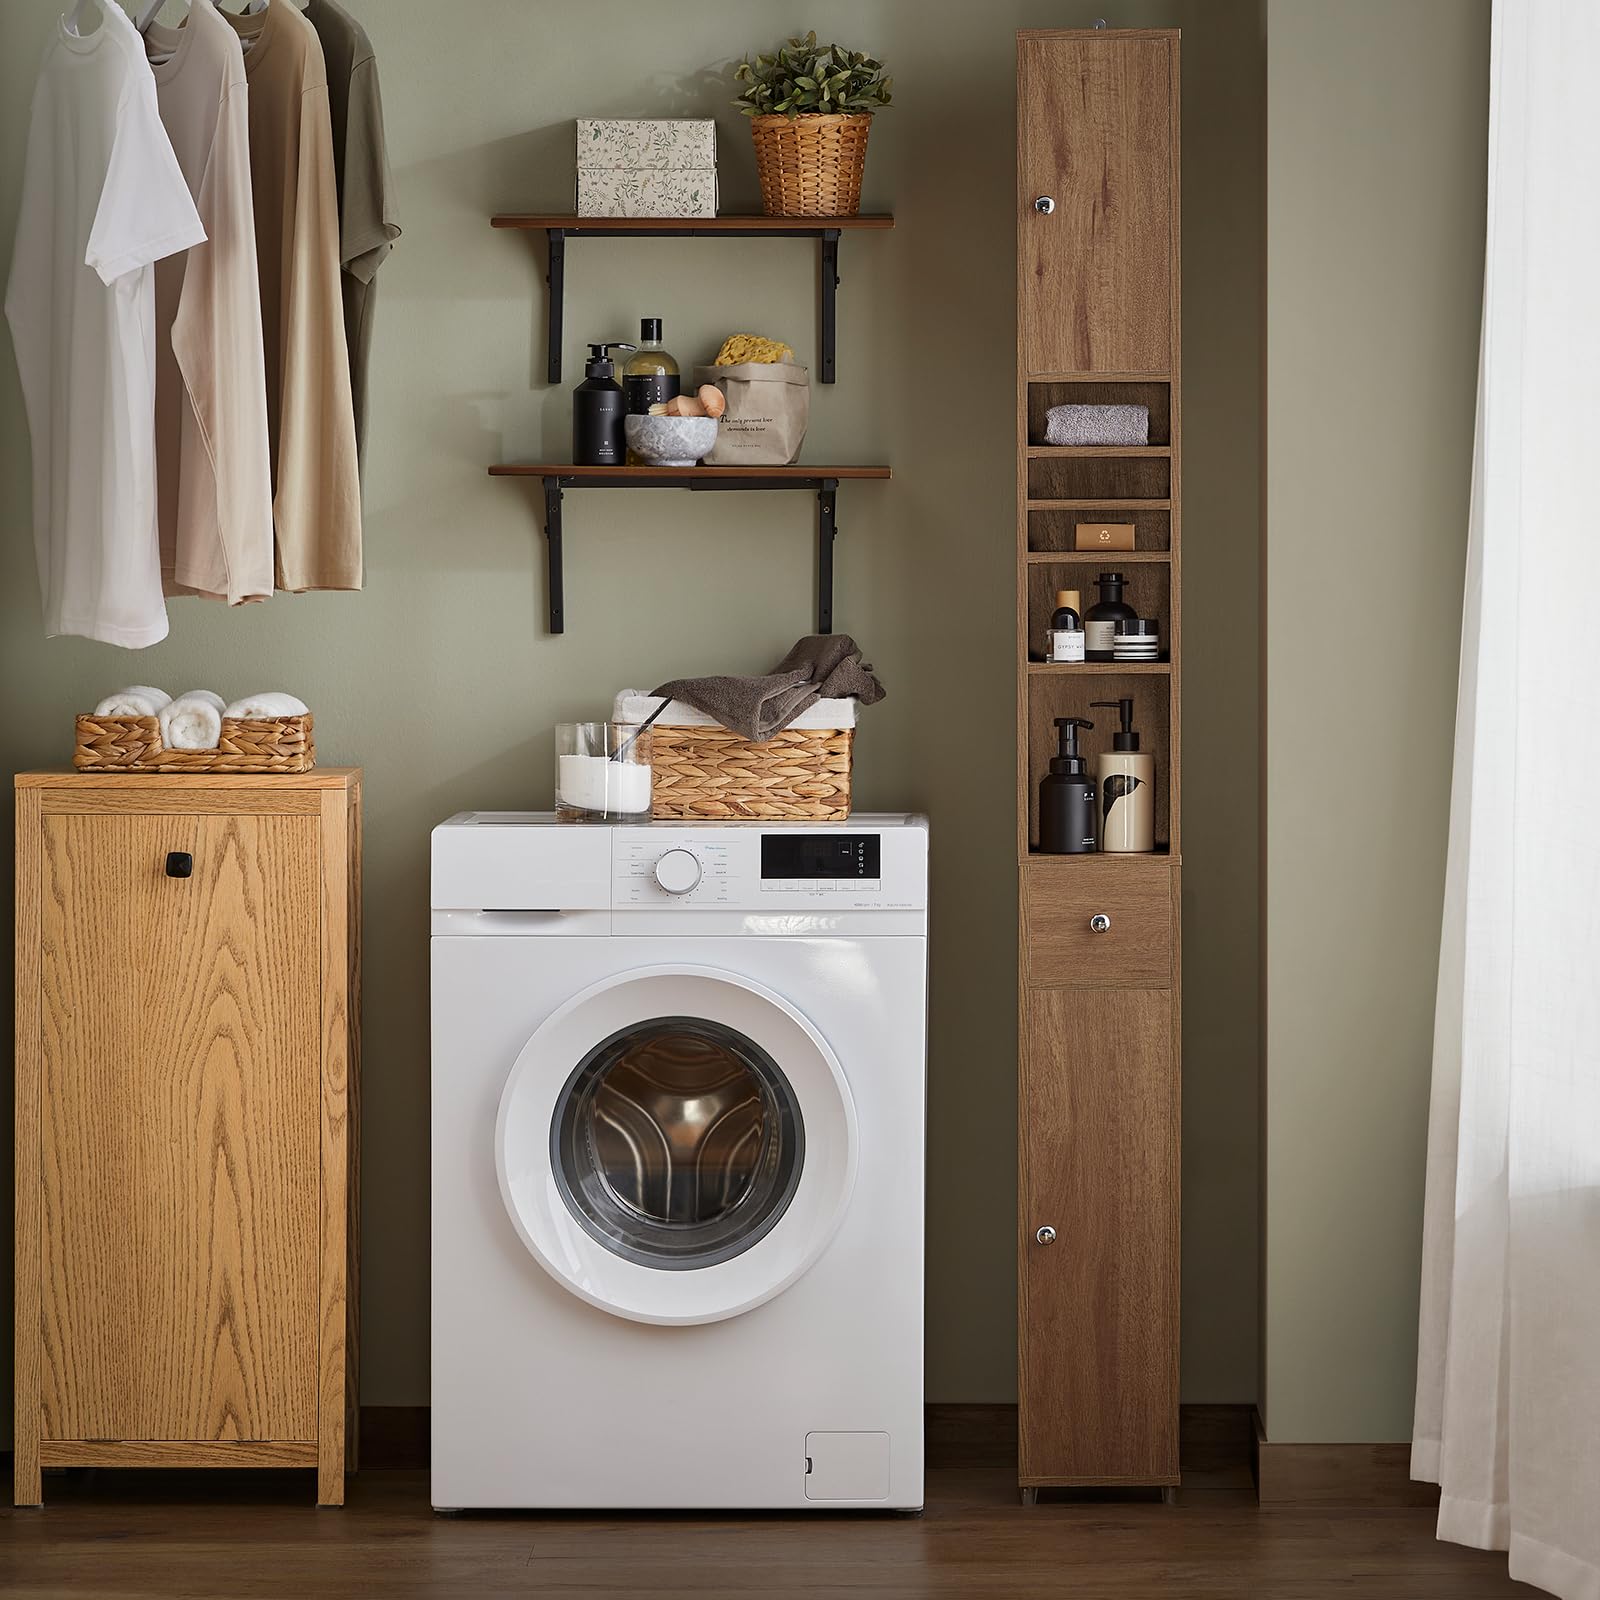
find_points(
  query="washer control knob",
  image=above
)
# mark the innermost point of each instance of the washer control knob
(1099, 923)
(1046, 1235)
(678, 871)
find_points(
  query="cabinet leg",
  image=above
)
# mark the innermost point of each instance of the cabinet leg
(1169, 1494)
(1030, 1497)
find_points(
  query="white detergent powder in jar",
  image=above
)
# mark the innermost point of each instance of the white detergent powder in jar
(602, 772)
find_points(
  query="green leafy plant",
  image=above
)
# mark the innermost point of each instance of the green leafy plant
(802, 78)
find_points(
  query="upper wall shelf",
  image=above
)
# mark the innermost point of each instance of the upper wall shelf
(558, 229)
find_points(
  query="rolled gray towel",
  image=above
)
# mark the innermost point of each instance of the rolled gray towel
(1090, 425)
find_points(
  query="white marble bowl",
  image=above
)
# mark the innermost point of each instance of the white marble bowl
(670, 441)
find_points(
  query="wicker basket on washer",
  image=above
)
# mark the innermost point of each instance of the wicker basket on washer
(248, 744)
(700, 772)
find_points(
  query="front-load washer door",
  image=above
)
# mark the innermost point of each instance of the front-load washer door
(676, 1144)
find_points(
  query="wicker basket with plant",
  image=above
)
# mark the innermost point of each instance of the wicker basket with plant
(810, 108)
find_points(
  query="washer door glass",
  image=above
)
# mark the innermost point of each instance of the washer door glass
(677, 1142)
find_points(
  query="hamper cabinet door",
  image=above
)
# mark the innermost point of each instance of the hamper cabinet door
(179, 1127)
(1096, 130)
(1098, 1376)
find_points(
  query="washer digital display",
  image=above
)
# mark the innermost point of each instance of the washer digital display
(821, 855)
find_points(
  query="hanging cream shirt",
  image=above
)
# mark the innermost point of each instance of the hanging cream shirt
(214, 474)
(102, 200)
(316, 487)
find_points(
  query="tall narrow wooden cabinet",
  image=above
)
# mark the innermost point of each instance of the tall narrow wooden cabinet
(186, 1121)
(1097, 309)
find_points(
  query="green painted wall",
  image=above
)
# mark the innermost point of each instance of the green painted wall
(1377, 123)
(440, 681)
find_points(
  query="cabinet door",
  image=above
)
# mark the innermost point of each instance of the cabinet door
(1096, 133)
(1098, 1374)
(179, 1127)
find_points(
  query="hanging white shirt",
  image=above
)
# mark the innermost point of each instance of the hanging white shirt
(103, 199)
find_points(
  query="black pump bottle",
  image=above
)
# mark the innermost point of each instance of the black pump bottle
(598, 408)
(1067, 797)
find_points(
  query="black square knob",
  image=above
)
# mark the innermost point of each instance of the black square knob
(180, 864)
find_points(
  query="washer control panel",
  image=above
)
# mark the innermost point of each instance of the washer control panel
(768, 869)
(651, 870)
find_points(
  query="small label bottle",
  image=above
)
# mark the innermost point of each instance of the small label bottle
(1064, 640)
(651, 375)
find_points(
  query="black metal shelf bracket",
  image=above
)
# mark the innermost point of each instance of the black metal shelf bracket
(827, 531)
(555, 279)
(827, 490)
(552, 539)
(830, 285)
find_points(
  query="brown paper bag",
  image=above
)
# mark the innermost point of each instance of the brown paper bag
(769, 405)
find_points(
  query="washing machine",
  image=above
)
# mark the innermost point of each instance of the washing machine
(678, 1126)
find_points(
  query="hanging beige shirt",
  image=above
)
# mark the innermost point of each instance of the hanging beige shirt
(368, 223)
(213, 469)
(316, 487)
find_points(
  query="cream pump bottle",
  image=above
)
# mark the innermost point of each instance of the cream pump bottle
(1125, 786)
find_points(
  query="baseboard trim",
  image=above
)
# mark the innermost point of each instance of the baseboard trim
(1215, 1438)
(1333, 1476)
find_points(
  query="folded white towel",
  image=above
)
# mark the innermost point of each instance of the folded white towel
(192, 721)
(137, 700)
(269, 703)
(634, 705)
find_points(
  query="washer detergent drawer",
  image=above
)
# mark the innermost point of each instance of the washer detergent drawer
(847, 1466)
(1098, 920)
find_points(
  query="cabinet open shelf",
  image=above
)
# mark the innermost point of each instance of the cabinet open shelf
(562, 475)
(1109, 669)
(1097, 452)
(1095, 558)
(557, 229)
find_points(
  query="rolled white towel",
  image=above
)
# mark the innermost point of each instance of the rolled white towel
(269, 703)
(192, 721)
(137, 700)
(210, 696)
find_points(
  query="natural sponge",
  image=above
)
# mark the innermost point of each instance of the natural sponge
(741, 347)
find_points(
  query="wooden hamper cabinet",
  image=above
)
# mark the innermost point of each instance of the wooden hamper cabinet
(187, 1016)
(1098, 1090)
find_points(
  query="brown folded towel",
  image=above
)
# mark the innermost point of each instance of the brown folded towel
(825, 666)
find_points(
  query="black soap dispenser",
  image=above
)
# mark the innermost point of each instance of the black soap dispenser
(1067, 796)
(598, 409)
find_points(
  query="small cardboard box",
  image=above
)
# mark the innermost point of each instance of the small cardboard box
(633, 167)
(1104, 536)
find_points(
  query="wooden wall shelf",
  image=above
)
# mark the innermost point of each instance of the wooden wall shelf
(557, 229)
(560, 476)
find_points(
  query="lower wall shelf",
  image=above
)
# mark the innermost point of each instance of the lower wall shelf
(561, 476)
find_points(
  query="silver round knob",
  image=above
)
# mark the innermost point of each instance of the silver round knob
(1044, 205)
(1099, 923)
(677, 871)
(1046, 1235)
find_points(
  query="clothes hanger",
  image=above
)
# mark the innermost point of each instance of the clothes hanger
(147, 14)
(81, 14)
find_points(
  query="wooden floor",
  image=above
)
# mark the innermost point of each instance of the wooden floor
(111, 1535)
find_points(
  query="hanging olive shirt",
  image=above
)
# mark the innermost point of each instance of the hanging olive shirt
(316, 488)
(368, 224)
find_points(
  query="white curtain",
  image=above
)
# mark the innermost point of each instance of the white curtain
(1508, 1383)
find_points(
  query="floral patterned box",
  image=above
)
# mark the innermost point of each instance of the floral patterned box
(647, 192)
(665, 167)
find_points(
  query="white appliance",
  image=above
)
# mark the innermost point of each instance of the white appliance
(678, 1124)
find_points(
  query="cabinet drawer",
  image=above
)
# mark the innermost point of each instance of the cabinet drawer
(1061, 899)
